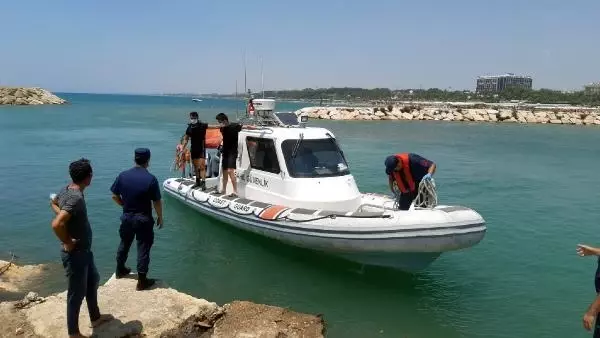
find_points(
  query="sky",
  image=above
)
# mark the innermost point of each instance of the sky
(198, 46)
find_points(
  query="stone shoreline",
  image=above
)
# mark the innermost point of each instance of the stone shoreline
(460, 113)
(28, 96)
(158, 312)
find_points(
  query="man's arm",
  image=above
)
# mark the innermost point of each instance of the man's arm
(586, 250)
(156, 201)
(391, 182)
(159, 212)
(54, 206)
(590, 315)
(116, 191)
(117, 199)
(59, 225)
(432, 169)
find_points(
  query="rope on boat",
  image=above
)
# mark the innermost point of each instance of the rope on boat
(333, 216)
(7, 266)
(427, 197)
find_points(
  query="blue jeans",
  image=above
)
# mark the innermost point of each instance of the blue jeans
(140, 227)
(83, 283)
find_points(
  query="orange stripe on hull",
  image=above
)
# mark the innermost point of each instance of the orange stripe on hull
(271, 213)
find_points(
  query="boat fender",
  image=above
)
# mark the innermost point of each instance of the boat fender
(240, 208)
(217, 202)
(199, 196)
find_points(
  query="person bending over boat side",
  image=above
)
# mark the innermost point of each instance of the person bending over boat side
(196, 132)
(72, 227)
(593, 311)
(229, 150)
(406, 171)
(136, 190)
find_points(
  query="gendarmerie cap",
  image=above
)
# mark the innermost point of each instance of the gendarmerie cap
(142, 154)
(390, 164)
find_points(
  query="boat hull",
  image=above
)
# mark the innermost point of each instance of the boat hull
(366, 240)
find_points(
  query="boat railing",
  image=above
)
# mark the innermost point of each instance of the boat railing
(376, 206)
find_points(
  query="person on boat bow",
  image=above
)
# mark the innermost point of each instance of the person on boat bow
(196, 132)
(406, 171)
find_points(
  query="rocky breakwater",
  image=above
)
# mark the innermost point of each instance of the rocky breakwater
(28, 96)
(571, 116)
(158, 312)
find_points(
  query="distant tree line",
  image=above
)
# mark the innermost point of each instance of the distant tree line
(542, 96)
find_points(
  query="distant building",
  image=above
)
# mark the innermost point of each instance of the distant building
(497, 83)
(592, 88)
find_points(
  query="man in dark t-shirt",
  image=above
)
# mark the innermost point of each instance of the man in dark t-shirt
(136, 190)
(229, 150)
(405, 171)
(196, 133)
(72, 227)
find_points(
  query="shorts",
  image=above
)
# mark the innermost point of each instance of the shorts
(228, 160)
(198, 153)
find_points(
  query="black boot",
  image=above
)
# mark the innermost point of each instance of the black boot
(144, 282)
(122, 272)
(203, 185)
(198, 183)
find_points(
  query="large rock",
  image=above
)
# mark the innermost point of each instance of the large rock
(165, 312)
(505, 115)
(15, 278)
(28, 96)
(245, 319)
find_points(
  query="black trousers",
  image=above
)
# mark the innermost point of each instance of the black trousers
(140, 227)
(406, 199)
(83, 283)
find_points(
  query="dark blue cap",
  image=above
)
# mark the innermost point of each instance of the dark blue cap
(390, 164)
(142, 154)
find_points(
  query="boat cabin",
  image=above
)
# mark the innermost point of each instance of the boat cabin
(284, 162)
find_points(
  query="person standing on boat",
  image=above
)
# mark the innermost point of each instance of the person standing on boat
(196, 132)
(72, 227)
(136, 190)
(593, 312)
(406, 171)
(229, 150)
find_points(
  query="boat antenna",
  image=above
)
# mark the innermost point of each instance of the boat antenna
(262, 78)
(245, 77)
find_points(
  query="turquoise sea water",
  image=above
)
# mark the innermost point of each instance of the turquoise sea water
(536, 186)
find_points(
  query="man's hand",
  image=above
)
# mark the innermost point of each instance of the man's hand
(69, 246)
(159, 222)
(586, 250)
(54, 204)
(588, 321)
(427, 176)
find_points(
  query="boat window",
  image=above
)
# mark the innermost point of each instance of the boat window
(314, 158)
(262, 154)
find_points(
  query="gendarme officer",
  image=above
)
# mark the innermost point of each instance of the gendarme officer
(137, 190)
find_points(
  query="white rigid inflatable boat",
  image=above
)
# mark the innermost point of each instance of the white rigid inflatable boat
(294, 185)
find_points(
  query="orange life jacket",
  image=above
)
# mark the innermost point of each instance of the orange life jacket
(405, 162)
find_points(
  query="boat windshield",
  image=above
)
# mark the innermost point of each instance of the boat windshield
(314, 158)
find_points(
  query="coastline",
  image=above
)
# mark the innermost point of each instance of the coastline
(461, 112)
(160, 311)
